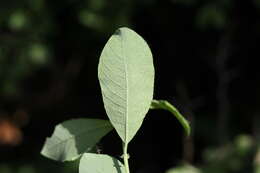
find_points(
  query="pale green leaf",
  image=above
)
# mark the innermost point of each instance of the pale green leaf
(74, 137)
(99, 163)
(163, 104)
(126, 76)
(184, 169)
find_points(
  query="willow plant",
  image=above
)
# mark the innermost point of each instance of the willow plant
(126, 76)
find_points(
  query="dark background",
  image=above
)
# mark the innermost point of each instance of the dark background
(206, 62)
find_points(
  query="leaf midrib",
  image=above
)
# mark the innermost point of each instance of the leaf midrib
(127, 95)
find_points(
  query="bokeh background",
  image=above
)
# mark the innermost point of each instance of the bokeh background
(206, 60)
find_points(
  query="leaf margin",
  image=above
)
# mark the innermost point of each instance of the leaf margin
(46, 151)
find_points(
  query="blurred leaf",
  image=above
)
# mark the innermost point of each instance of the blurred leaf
(91, 19)
(74, 137)
(99, 163)
(17, 20)
(184, 169)
(38, 54)
(231, 157)
(243, 144)
(211, 16)
(257, 169)
(165, 105)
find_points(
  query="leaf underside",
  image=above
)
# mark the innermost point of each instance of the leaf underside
(74, 137)
(99, 163)
(126, 76)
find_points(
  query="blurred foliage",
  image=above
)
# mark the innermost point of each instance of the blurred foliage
(257, 161)
(23, 44)
(27, 30)
(234, 157)
(211, 16)
(39, 167)
(184, 169)
(98, 15)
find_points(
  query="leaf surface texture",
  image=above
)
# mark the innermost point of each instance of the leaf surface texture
(72, 138)
(100, 163)
(126, 76)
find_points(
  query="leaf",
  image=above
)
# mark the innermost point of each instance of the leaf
(74, 137)
(184, 169)
(99, 163)
(163, 104)
(126, 76)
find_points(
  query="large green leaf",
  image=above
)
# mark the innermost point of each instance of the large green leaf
(126, 76)
(99, 163)
(163, 104)
(74, 137)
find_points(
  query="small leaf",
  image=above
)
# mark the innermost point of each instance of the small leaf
(126, 76)
(163, 104)
(74, 137)
(184, 169)
(99, 163)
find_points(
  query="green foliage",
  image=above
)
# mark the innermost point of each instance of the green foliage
(184, 169)
(91, 19)
(257, 160)
(95, 15)
(233, 157)
(17, 21)
(230, 157)
(126, 76)
(211, 16)
(95, 163)
(38, 54)
(74, 137)
(243, 144)
(25, 28)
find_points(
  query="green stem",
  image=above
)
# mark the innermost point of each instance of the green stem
(125, 155)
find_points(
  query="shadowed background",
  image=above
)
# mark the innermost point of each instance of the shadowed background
(206, 61)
